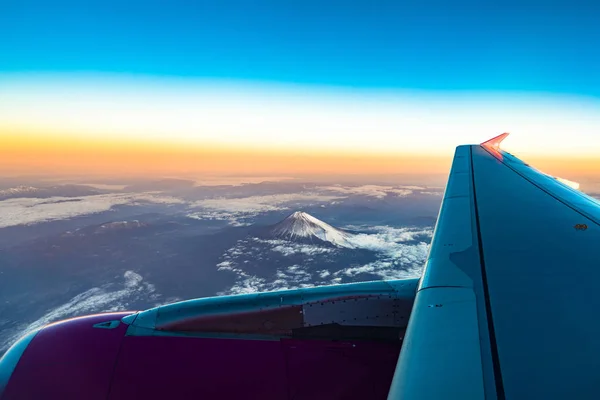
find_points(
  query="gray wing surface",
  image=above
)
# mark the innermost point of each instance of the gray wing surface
(509, 302)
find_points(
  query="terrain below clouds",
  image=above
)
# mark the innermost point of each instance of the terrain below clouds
(69, 252)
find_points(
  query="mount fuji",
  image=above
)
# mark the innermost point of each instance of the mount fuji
(303, 227)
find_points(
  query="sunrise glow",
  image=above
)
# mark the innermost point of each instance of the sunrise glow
(111, 123)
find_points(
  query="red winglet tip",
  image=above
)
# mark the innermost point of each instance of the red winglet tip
(495, 142)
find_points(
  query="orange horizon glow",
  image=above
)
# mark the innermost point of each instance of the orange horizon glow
(36, 153)
(144, 126)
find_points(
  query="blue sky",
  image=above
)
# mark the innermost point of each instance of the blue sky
(368, 78)
(529, 46)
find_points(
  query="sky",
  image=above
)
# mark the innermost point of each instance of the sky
(295, 87)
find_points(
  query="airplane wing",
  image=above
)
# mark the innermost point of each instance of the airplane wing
(508, 304)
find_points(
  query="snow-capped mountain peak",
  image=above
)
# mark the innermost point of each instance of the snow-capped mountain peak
(301, 225)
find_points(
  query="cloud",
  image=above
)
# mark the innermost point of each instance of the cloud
(251, 284)
(292, 277)
(242, 247)
(392, 269)
(324, 274)
(400, 256)
(237, 260)
(295, 274)
(25, 211)
(372, 190)
(94, 300)
(239, 210)
(259, 204)
(288, 248)
(224, 265)
(234, 219)
(387, 239)
(400, 253)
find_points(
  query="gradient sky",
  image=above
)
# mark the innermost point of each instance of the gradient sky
(295, 86)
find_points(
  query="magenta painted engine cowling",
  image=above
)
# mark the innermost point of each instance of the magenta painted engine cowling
(326, 342)
(94, 358)
(49, 363)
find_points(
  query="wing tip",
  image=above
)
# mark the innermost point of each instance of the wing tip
(495, 141)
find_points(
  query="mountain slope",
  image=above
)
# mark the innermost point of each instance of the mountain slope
(301, 226)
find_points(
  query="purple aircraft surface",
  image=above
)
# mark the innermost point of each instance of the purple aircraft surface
(506, 308)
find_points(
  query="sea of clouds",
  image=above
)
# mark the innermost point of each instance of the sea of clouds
(401, 254)
(27, 211)
(237, 211)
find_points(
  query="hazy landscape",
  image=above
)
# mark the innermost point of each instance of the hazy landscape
(73, 249)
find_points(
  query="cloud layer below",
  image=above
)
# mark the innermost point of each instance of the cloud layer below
(26, 211)
(238, 210)
(400, 253)
(373, 190)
